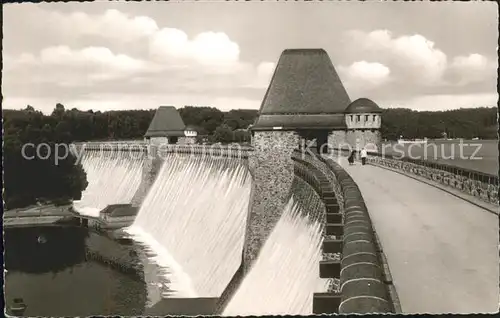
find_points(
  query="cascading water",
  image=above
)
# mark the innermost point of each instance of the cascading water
(194, 218)
(111, 180)
(286, 273)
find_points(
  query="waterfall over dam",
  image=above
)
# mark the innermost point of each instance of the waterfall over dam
(112, 179)
(193, 218)
(286, 273)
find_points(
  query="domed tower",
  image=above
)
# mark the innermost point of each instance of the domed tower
(363, 120)
(190, 134)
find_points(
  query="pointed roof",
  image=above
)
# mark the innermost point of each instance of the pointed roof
(166, 122)
(304, 84)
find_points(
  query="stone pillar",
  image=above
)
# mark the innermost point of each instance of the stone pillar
(272, 170)
(186, 140)
(150, 170)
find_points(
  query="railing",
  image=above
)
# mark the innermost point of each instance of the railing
(207, 150)
(482, 185)
(348, 232)
(163, 149)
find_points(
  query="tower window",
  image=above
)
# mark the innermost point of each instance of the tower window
(358, 117)
(366, 117)
(352, 118)
(374, 117)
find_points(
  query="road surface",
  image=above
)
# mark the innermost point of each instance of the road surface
(442, 251)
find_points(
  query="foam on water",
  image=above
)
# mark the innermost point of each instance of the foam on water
(286, 273)
(193, 218)
(111, 180)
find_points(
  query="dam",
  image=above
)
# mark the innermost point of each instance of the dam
(287, 225)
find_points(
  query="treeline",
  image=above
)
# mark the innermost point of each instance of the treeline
(75, 125)
(464, 123)
(218, 126)
(30, 181)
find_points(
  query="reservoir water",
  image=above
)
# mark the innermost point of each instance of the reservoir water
(69, 271)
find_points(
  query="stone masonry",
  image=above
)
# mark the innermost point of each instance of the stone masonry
(359, 139)
(356, 139)
(337, 139)
(150, 170)
(272, 169)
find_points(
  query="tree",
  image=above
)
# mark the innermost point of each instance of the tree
(223, 134)
(28, 177)
(59, 110)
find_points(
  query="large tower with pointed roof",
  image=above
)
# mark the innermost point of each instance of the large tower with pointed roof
(305, 100)
(306, 95)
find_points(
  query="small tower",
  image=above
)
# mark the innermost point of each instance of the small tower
(190, 134)
(166, 127)
(363, 120)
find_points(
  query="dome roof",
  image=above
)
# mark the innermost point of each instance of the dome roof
(190, 128)
(363, 105)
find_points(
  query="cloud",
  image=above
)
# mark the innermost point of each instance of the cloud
(113, 24)
(168, 62)
(472, 69)
(443, 101)
(90, 56)
(207, 48)
(366, 72)
(63, 66)
(411, 57)
(113, 59)
(417, 67)
(260, 77)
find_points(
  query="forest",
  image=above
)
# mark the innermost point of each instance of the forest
(30, 181)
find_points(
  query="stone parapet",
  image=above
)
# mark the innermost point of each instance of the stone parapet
(309, 201)
(364, 284)
(319, 178)
(474, 183)
(234, 151)
(152, 150)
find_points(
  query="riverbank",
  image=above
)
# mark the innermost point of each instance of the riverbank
(113, 217)
(36, 210)
(37, 215)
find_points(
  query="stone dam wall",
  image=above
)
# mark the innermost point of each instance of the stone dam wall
(352, 259)
(352, 256)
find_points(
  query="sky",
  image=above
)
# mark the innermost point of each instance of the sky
(140, 55)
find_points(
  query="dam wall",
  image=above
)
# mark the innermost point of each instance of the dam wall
(155, 156)
(352, 261)
(352, 255)
(365, 281)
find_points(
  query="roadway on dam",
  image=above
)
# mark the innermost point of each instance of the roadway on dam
(442, 251)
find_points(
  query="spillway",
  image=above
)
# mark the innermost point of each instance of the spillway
(286, 273)
(111, 180)
(193, 218)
